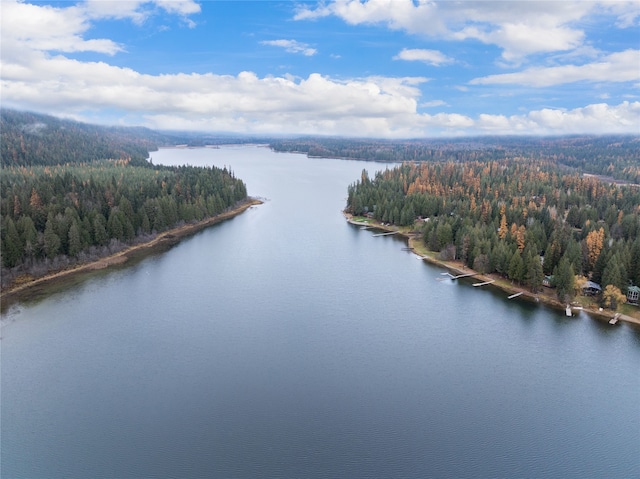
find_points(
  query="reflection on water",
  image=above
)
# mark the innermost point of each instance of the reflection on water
(287, 343)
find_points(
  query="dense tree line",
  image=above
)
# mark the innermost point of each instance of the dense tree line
(83, 211)
(520, 218)
(30, 139)
(617, 157)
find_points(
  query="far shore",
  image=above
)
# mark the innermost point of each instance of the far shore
(27, 289)
(458, 268)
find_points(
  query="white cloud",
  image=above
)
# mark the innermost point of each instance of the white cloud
(595, 119)
(617, 67)
(317, 104)
(137, 10)
(431, 57)
(292, 46)
(37, 76)
(519, 28)
(433, 103)
(47, 28)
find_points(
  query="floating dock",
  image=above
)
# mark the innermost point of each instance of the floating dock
(486, 282)
(464, 276)
(515, 295)
(614, 320)
(385, 234)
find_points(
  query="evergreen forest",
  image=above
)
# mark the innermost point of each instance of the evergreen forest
(614, 157)
(521, 218)
(72, 193)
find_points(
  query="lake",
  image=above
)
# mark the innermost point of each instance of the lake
(287, 343)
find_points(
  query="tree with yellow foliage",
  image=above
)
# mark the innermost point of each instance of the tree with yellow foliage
(612, 297)
(503, 230)
(594, 241)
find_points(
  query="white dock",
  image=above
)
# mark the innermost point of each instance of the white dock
(614, 320)
(514, 295)
(464, 276)
(385, 234)
(486, 282)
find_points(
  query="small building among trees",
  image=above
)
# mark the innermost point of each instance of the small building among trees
(589, 288)
(633, 294)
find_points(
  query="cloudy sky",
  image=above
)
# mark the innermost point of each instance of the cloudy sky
(365, 68)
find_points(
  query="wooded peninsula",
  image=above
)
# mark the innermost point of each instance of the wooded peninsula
(74, 193)
(528, 220)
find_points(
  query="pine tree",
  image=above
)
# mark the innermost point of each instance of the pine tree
(564, 279)
(12, 246)
(75, 243)
(516, 267)
(51, 239)
(534, 273)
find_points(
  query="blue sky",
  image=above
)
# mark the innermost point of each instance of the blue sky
(364, 68)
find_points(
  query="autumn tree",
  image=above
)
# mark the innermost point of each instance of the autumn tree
(594, 241)
(612, 297)
(503, 230)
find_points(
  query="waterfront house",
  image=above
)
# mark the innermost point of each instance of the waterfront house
(590, 288)
(633, 294)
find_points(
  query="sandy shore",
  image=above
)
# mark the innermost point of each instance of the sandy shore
(161, 242)
(457, 268)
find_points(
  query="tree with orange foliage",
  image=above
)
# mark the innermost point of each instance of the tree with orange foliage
(594, 241)
(503, 230)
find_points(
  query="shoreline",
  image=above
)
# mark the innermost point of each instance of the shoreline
(458, 269)
(163, 241)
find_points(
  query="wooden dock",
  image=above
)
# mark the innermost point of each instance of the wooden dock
(385, 234)
(515, 295)
(463, 275)
(485, 283)
(614, 320)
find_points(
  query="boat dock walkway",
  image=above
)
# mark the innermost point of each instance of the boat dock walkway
(515, 295)
(486, 282)
(614, 320)
(385, 234)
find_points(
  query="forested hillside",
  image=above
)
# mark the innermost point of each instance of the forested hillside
(30, 139)
(519, 218)
(78, 192)
(614, 156)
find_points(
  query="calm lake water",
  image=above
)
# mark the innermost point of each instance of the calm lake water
(286, 343)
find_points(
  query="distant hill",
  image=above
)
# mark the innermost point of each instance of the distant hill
(615, 156)
(30, 139)
(33, 139)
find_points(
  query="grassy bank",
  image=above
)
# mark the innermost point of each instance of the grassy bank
(30, 288)
(628, 313)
